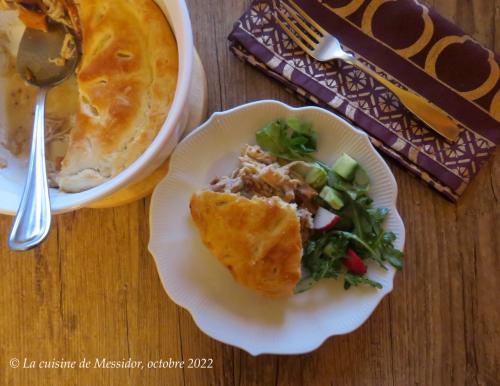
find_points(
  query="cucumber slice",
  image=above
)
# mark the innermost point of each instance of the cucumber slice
(345, 166)
(361, 178)
(332, 197)
(316, 177)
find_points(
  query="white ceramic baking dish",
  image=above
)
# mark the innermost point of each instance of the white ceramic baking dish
(12, 177)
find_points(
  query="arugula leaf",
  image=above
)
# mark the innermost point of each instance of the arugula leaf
(373, 253)
(306, 283)
(389, 253)
(351, 279)
(352, 190)
(336, 247)
(377, 216)
(291, 140)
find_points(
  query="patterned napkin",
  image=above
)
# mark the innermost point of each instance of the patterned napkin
(411, 45)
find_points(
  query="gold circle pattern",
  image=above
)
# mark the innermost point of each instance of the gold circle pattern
(495, 106)
(439, 47)
(347, 9)
(418, 45)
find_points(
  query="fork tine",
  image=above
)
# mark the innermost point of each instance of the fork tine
(294, 37)
(314, 34)
(299, 32)
(308, 18)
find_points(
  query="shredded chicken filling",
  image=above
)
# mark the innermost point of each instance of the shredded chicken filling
(261, 174)
(61, 11)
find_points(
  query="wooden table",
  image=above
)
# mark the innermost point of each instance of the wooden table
(92, 290)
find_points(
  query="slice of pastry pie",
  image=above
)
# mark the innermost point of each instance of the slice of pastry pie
(257, 239)
(126, 82)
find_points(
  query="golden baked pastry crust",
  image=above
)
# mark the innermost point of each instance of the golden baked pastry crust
(257, 239)
(127, 79)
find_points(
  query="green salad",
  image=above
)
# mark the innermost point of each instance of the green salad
(348, 230)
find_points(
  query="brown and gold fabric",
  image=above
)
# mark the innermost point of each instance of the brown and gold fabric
(414, 47)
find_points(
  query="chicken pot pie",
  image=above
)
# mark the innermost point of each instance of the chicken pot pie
(126, 82)
(256, 220)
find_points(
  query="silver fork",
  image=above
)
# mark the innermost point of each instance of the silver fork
(323, 46)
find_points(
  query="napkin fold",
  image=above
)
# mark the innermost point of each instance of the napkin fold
(412, 46)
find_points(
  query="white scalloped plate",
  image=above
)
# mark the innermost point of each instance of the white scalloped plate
(195, 280)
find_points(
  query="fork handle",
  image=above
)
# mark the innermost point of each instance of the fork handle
(429, 113)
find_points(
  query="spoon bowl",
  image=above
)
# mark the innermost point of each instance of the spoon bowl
(39, 59)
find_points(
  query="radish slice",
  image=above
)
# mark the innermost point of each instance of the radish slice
(325, 219)
(354, 263)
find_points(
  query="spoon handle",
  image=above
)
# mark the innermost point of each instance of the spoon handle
(32, 222)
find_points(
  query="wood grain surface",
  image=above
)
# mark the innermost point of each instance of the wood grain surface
(92, 290)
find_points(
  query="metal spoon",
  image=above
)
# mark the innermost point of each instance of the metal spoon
(37, 48)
